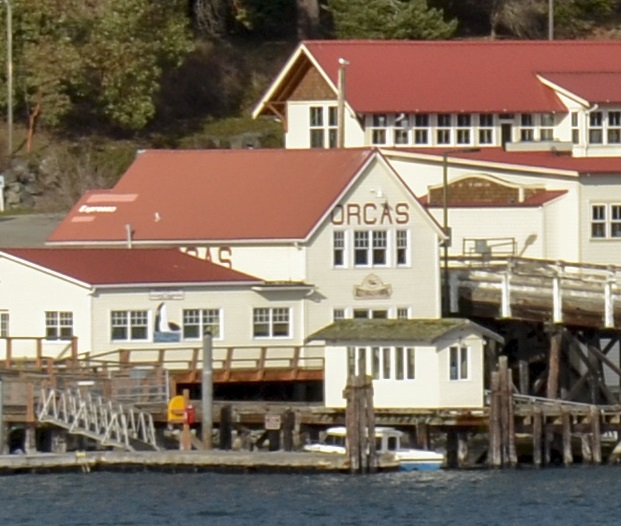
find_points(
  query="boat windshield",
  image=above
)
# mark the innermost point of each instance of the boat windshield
(332, 440)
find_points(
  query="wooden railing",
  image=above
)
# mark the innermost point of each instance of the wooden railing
(40, 358)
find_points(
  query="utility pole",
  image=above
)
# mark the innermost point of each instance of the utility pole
(207, 391)
(550, 19)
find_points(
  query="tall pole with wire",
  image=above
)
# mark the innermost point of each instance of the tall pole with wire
(9, 73)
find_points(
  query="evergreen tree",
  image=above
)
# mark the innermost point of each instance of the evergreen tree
(389, 19)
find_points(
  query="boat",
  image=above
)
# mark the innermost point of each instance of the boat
(388, 441)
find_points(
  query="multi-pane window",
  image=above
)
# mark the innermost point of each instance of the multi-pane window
(598, 221)
(403, 313)
(486, 128)
(271, 322)
(402, 129)
(58, 325)
(614, 127)
(575, 128)
(402, 247)
(464, 124)
(421, 129)
(338, 314)
(370, 247)
(378, 128)
(443, 129)
(382, 363)
(596, 127)
(338, 248)
(129, 325)
(527, 127)
(196, 323)
(365, 314)
(361, 248)
(546, 130)
(605, 221)
(4, 324)
(458, 362)
(323, 126)
(615, 221)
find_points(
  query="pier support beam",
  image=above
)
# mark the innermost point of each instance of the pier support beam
(568, 457)
(537, 436)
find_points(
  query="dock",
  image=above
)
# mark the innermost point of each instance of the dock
(182, 461)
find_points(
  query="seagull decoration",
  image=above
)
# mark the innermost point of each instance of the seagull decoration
(165, 331)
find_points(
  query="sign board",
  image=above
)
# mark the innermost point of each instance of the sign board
(175, 410)
(272, 422)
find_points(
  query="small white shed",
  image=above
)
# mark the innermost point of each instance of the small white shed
(415, 363)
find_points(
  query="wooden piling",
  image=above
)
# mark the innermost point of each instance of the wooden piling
(226, 427)
(495, 452)
(288, 426)
(537, 435)
(596, 443)
(587, 454)
(556, 338)
(568, 457)
(451, 450)
(360, 424)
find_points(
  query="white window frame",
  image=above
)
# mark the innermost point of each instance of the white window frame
(4, 324)
(459, 363)
(58, 325)
(444, 130)
(546, 126)
(402, 246)
(271, 317)
(605, 221)
(575, 127)
(339, 248)
(421, 133)
(382, 362)
(401, 129)
(527, 127)
(132, 323)
(379, 129)
(202, 319)
(486, 128)
(613, 129)
(464, 129)
(323, 123)
(595, 124)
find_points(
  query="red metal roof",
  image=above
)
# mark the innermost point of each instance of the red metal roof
(119, 266)
(542, 159)
(215, 195)
(602, 87)
(461, 76)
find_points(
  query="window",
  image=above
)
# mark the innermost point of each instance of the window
(443, 131)
(464, 124)
(338, 314)
(322, 128)
(4, 324)
(403, 313)
(271, 323)
(402, 129)
(386, 363)
(421, 129)
(458, 362)
(614, 127)
(615, 221)
(58, 325)
(402, 247)
(196, 322)
(361, 248)
(575, 128)
(486, 128)
(379, 247)
(546, 131)
(378, 129)
(365, 314)
(596, 130)
(527, 130)
(598, 221)
(338, 248)
(129, 325)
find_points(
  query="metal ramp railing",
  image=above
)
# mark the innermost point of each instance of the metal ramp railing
(106, 422)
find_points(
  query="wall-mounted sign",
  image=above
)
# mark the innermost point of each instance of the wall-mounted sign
(166, 295)
(382, 214)
(372, 288)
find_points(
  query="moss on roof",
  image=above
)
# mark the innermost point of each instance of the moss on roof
(418, 330)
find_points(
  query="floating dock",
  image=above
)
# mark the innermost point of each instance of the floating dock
(182, 461)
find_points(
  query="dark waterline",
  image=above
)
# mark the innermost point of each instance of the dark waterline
(574, 496)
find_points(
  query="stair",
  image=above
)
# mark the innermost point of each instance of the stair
(107, 423)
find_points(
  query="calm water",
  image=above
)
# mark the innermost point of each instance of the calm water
(577, 496)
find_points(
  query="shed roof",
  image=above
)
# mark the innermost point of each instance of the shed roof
(421, 330)
(118, 266)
